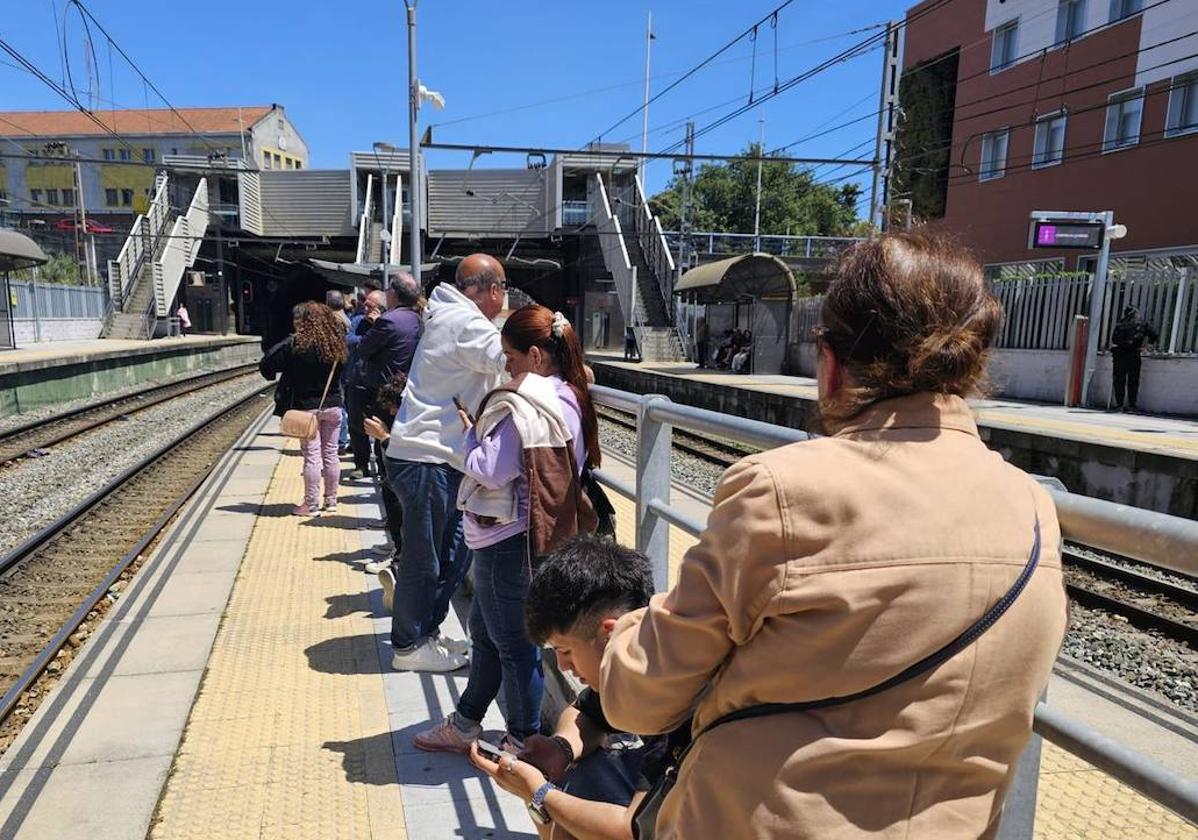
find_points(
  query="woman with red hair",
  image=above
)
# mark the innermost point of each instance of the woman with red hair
(522, 497)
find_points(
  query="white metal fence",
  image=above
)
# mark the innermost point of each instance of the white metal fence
(50, 301)
(1039, 309)
(615, 254)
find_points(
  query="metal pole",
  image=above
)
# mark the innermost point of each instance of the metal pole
(645, 107)
(385, 255)
(873, 191)
(653, 485)
(684, 248)
(414, 140)
(221, 289)
(757, 207)
(1097, 305)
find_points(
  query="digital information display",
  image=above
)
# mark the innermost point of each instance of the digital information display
(1086, 236)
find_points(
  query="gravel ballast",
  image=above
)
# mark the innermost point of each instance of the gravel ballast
(36, 491)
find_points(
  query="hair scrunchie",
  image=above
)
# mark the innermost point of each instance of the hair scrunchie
(559, 325)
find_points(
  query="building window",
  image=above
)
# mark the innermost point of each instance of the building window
(52, 196)
(1071, 20)
(68, 197)
(1183, 106)
(126, 198)
(1125, 8)
(109, 154)
(299, 164)
(147, 155)
(1123, 114)
(266, 160)
(35, 196)
(110, 198)
(1004, 50)
(1050, 141)
(994, 155)
(126, 154)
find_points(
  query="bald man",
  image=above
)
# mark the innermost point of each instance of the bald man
(460, 356)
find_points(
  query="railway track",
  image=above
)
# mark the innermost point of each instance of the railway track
(721, 453)
(1146, 601)
(55, 583)
(19, 441)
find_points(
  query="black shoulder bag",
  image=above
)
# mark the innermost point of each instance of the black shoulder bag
(644, 821)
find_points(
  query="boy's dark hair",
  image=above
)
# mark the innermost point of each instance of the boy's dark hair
(391, 392)
(588, 577)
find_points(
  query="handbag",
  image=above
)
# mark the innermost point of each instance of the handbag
(302, 424)
(605, 512)
(644, 821)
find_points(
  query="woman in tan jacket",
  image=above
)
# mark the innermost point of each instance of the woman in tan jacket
(830, 566)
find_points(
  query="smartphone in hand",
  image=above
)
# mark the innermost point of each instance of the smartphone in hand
(489, 750)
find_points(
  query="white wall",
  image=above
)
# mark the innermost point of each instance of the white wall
(1168, 385)
(1165, 22)
(56, 329)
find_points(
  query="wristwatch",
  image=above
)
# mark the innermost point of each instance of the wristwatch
(536, 807)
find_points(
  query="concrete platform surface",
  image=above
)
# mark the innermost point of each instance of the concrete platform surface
(56, 353)
(242, 688)
(1173, 436)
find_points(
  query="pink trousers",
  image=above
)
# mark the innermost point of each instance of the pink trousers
(320, 457)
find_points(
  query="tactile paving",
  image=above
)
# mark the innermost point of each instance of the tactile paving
(288, 736)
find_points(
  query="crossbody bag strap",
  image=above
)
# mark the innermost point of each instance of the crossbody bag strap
(971, 634)
(327, 383)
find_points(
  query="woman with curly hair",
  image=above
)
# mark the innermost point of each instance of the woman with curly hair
(306, 359)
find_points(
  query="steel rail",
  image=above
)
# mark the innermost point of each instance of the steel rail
(27, 677)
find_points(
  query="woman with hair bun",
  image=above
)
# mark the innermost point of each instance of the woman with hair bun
(866, 624)
(522, 497)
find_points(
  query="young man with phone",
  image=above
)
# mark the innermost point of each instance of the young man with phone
(572, 785)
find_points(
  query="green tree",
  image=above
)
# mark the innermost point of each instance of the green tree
(792, 201)
(60, 268)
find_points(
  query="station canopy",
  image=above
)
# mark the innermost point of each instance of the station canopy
(19, 251)
(736, 278)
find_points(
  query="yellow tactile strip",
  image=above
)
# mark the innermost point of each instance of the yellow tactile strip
(1076, 801)
(288, 736)
(1079, 802)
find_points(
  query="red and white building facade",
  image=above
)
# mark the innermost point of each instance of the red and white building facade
(1067, 105)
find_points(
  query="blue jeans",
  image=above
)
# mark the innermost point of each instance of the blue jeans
(343, 438)
(502, 655)
(433, 558)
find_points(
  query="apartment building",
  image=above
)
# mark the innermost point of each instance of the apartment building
(1010, 106)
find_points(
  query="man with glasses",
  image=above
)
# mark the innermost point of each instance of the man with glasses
(459, 357)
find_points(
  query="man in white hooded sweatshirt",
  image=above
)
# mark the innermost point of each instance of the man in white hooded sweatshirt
(459, 355)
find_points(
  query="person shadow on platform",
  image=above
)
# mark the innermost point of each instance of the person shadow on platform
(274, 509)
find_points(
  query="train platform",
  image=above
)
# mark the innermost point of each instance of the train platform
(240, 687)
(1145, 461)
(44, 374)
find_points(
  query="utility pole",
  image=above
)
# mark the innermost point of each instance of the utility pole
(89, 241)
(884, 145)
(640, 170)
(684, 225)
(757, 207)
(221, 289)
(413, 140)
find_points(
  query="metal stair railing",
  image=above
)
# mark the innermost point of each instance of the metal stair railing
(364, 222)
(180, 250)
(615, 256)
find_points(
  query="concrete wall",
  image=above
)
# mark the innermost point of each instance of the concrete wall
(1168, 385)
(56, 329)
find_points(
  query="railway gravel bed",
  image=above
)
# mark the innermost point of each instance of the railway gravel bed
(1145, 659)
(41, 593)
(36, 491)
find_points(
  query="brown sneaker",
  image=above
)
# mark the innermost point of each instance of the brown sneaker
(446, 737)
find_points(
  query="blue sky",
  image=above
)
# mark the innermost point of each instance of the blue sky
(341, 68)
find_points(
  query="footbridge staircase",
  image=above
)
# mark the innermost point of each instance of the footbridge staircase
(144, 278)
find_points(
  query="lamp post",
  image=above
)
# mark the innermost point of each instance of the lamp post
(413, 140)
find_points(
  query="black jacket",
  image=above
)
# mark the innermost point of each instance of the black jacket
(303, 377)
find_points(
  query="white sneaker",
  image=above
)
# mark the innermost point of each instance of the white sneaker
(429, 657)
(459, 647)
(387, 579)
(376, 566)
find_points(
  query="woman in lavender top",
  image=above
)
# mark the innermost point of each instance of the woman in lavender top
(532, 440)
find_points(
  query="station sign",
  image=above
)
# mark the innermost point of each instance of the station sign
(1084, 236)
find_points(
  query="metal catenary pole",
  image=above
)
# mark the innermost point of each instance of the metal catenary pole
(757, 205)
(645, 108)
(413, 141)
(1097, 305)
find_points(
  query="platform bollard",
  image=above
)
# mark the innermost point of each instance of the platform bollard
(654, 440)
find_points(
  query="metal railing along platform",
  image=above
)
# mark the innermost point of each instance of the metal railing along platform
(1166, 541)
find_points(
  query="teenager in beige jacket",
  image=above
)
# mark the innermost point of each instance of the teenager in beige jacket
(829, 566)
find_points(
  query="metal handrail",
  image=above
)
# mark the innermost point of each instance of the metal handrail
(1163, 540)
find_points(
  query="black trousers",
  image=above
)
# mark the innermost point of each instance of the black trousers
(391, 504)
(359, 405)
(701, 352)
(1127, 375)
